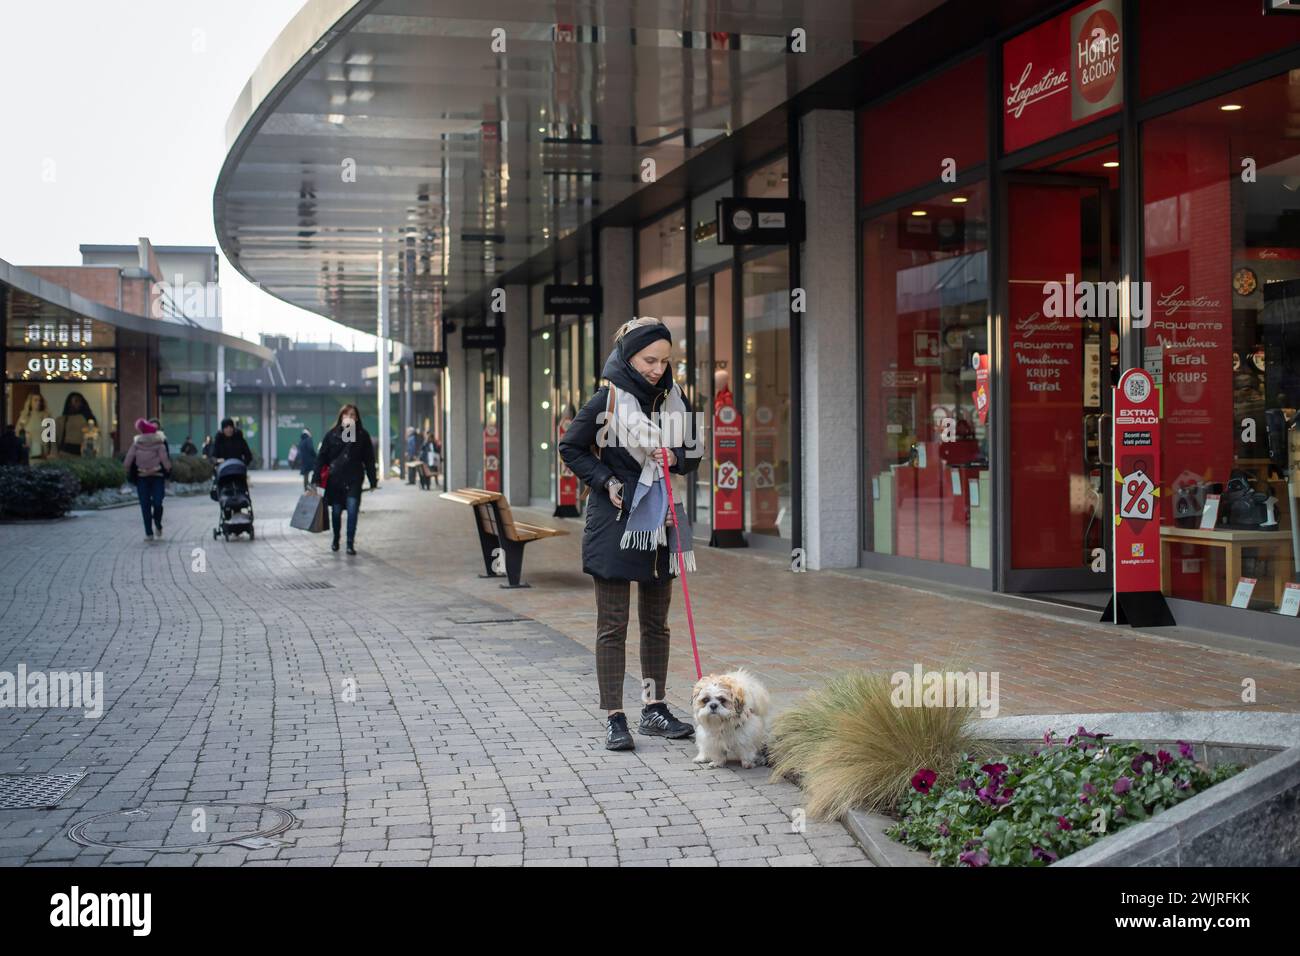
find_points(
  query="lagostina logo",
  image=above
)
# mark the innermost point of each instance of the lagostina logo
(103, 909)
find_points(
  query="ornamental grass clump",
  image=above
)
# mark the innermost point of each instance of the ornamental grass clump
(850, 746)
(1034, 809)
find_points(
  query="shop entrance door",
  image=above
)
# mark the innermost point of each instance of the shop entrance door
(1061, 308)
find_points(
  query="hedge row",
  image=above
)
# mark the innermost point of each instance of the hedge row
(92, 473)
(27, 492)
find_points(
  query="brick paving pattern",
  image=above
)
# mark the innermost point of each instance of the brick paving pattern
(473, 739)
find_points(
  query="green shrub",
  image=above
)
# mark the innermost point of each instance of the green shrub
(188, 469)
(851, 746)
(1033, 809)
(92, 473)
(27, 492)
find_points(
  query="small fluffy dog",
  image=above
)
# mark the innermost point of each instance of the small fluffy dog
(730, 718)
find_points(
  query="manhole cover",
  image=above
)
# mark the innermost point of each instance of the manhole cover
(181, 826)
(301, 586)
(36, 791)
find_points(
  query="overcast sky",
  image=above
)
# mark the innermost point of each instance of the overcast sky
(123, 105)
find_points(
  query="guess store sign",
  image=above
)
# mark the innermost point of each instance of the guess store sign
(1062, 74)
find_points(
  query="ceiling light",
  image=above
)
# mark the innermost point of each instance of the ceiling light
(960, 199)
(1111, 163)
(919, 212)
(1230, 107)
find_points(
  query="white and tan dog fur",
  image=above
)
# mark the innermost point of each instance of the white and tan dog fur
(730, 718)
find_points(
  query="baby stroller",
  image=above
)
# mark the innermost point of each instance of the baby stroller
(230, 492)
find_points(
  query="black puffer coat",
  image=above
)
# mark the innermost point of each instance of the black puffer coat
(602, 556)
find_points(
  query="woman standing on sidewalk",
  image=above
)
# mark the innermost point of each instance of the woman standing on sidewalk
(349, 454)
(629, 535)
(148, 456)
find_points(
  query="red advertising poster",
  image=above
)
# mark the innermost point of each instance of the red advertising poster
(728, 506)
(491, 459)
(1062, 73)
(568, 491)
(763, 480)
(1137, 483)
(1046, 381)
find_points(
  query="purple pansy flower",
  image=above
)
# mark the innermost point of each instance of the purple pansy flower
(943, 829)
(1164, 758)
(1123, 785)
(978, 857)
(1047, 855)
(1063, 824)
(923, 781)
(1185, 749)
(1141, 759)
(966, 784)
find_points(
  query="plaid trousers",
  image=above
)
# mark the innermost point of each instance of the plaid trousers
(612, 601)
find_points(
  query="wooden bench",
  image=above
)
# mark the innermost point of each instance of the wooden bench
(417, 467)
(499, 532)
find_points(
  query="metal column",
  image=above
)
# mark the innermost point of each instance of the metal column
(381, 376)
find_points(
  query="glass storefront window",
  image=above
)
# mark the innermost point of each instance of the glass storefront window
(1222, 255)
(770, 181)
(661, 249)
(541, 420)
(766, 402)
(705, 250)
(925, 312)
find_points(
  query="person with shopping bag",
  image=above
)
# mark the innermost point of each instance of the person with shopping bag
(346, 458)
(617, 445)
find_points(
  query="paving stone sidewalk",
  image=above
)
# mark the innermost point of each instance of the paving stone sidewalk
(473, 738)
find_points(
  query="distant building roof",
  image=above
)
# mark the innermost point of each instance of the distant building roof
(307, 370)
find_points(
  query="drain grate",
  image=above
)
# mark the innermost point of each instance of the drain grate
(301, 586)
(36, 791)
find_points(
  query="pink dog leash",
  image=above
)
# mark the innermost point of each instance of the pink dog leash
(681, 564)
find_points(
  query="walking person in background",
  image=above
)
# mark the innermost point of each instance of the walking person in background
(629, 535)
(431, 459)
(349, 454)
(187, 447)
(207, 447)
(148, 461)
(306, 458)
(11, 447)
(230, 444)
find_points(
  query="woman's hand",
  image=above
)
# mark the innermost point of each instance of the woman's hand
(672, 457)
(615, 489)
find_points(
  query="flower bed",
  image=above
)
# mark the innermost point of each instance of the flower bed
(1033, 809)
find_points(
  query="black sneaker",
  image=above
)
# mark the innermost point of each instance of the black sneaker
(617, 736)
(658, 721)
(334, 545)
(351, 550)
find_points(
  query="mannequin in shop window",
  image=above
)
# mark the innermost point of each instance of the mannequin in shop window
(722, 389)
(76, 428)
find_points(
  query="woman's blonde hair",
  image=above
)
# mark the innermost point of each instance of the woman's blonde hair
(636, 323)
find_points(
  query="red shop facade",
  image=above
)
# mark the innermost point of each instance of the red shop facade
(1111, 184)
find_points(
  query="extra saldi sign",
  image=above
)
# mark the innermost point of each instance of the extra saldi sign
(1138, 597)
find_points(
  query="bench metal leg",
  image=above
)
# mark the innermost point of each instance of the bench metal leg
(488, 544)
(514, 552)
